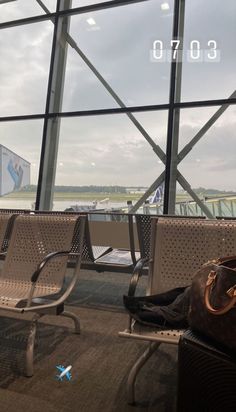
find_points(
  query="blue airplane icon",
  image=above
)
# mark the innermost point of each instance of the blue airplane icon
(65, 372)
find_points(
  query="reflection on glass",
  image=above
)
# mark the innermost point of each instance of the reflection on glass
(25, 57)
(20, 146)
(209, 50)
(210, 166)
(118, 42)
(109, 156)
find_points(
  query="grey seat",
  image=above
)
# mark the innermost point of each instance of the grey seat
(89, 252)
(178, 248)
(121, 260)
(143, 225)
(35, 267)
(6, 222)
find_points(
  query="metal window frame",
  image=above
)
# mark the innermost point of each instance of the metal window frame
(171, 158)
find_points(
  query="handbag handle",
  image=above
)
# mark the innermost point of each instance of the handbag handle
(231, 292)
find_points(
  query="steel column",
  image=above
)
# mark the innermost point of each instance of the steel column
(174, 113)
(51, 130)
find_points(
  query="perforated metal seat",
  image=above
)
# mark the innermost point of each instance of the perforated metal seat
(143, 223)
(178, 248)
(5, 218)
(143, 332)
(89, 252)
(121, 260)
(15, 293)
(35, 268)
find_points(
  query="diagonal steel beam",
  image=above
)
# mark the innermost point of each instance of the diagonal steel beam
(42, 5)
(156, 148)
(184, 152)
(151, 189)
(186, 186)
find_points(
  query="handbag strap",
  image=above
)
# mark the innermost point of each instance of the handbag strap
(221, 261)
(231, 293)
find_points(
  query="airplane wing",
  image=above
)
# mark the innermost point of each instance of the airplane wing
(68, 376)
(60, 368)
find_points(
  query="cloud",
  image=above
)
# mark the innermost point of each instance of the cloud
(110, 149)
(25, 58)
(216, 151)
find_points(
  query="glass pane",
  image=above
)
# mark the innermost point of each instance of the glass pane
(81, 3)
(104, 161)
(209, 73)
(20, 147)
(19, 9)
(210, 165)
(25, 58)
(51, 5)
(118, 42)
(155, 124)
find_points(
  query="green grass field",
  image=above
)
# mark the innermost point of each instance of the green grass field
(87, 196)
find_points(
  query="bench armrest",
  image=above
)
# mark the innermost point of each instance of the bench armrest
(36, 275)
(43, 263)
(38, 271)
(137, 273)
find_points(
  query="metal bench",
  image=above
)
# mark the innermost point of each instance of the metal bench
(6, 222)
(89, 252)
(10, 215)
(178, 248)
(35, 268)
(121, 260)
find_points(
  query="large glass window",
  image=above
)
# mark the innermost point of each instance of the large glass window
(110, 156)
(209, 50)
(25, 59)
(81, 3)
(20, 9)
(120, 57)
(209, 165)
(20, 147)
(118, 43)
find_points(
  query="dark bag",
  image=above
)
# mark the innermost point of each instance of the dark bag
(213, 299)
(165, 310)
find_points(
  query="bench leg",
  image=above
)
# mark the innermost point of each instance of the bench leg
(30, 347)
(136, 368)
(74, 318)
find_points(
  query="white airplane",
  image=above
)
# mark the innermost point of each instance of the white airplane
(64, 372)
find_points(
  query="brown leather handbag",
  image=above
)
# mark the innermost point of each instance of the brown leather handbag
(213, 300)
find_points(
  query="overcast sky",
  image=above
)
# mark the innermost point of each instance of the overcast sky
(109, 149)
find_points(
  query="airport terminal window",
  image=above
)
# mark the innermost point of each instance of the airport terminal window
(25, 58)
(81, 3)
(110, 152)
(119, 59)
(20, 145)
(19, 9)
(118, 43)
(209, 50)
(209, 166)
